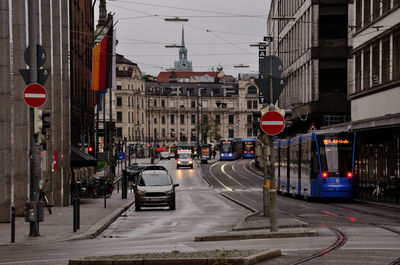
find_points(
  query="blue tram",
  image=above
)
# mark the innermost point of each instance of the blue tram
(318, 164)
(249, 147)
(231, 149)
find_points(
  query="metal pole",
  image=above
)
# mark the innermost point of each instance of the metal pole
(266, 180)
(125, 150)
(13, 224)
(272, 189)
(34, 147)
(198, 121)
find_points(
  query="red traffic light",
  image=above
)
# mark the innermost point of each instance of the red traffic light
(90, 149)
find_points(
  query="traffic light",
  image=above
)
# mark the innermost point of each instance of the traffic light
(256, 120)
(91, 150)
(40, 124)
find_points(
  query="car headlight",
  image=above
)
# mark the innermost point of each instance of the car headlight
(169, 192)
(140, 192)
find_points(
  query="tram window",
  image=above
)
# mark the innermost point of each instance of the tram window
(314, 161)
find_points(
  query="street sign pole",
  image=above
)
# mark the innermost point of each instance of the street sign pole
(270, 142)
(34, 147)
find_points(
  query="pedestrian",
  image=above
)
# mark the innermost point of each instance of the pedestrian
(214, 154)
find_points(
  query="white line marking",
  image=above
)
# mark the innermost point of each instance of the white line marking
(272, 123)
(30, 95)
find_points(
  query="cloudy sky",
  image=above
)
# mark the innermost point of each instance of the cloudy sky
(218, 32)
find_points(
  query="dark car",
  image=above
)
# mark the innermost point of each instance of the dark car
(155, 188)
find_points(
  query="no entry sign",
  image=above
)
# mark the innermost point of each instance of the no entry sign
(35, 95)
(272, 123)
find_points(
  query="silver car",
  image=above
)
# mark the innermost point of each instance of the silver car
(155, 188)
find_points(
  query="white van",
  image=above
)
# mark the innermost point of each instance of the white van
(184, 159)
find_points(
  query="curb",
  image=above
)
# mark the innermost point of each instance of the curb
(257, 234)
(103, 224)
(249, 260)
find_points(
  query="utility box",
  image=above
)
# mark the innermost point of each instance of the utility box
(34, 211)
(205, 153)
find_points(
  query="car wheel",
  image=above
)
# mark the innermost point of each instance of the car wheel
(177, 167)
(191, 166)
(172, 206)
(137, 207)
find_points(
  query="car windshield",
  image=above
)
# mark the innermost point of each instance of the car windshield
(226, 147)
(155, 180)
(185, 155)
(336, 153)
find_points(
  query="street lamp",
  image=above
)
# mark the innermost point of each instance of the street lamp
(176, 19)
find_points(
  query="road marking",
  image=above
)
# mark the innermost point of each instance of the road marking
(245, 168)
(223, 171)
(222, 184)
(174, 223)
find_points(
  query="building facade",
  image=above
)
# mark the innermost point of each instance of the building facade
(53, 35)
(311, 39)
(199, 112)
(374, 91)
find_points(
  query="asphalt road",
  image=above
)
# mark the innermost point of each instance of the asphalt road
(371, 232)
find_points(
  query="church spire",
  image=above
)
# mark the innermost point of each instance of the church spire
(102, 12)
(183, 64)
(183, 37)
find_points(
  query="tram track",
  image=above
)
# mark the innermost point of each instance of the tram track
(247, 170)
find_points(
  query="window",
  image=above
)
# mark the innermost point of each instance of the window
(155, 103)
(193, 119)
(193, 104)
(375, 64)
(358, 72)
(251, 90)
(172, 133)
(367, 12)
(119, 102)
(203, 91)
(376, 9)
(249, 132)
(231, 133)
(385, 60)
(163, 103)
(218, 118)
(205, 118)
(129, 118)
(163, 132)
(230, 119)
(155, 120)
(155, 133)
(396, 55)
(119, 87)
(216, 91)
(386, 6)
(182, 119)
(255, 104)
(366, 72)
(358, 14)
(162, 119)
(172, 119)
(230, 104)
(119, 116)
(119, 132)
(249, 104)
(204, 104)
(249, 118)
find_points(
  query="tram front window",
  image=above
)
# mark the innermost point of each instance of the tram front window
(226, 147)
(248, 146)
(336, 154)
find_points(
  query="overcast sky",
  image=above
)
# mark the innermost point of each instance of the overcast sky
(218, 32)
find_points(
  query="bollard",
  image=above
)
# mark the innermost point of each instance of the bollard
(13, 224)
(78, 211)
(105, 201)
(74, 215)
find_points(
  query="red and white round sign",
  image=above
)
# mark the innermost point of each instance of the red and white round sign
(272, 123)
(35, 95)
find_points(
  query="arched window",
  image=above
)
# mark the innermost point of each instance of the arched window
(251, 90)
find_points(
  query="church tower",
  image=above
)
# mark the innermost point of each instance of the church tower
(183, 64)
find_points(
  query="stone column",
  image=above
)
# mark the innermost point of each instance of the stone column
(5, 118)
(21, 111)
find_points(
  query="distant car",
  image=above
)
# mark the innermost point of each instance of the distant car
(155, 188)
(164, 155)
(184, 159)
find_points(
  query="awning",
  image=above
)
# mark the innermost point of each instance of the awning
(81, 159)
